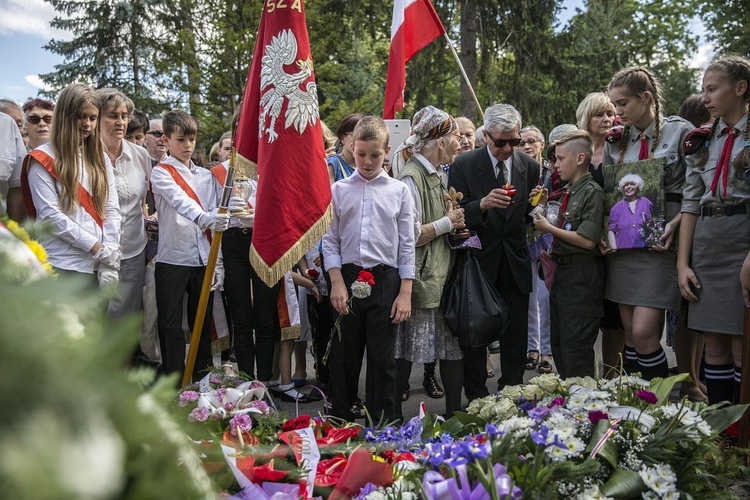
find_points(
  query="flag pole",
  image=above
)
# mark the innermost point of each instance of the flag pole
(213, 255)
(466, 77)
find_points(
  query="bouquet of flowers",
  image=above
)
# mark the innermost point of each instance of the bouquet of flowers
(652, 230)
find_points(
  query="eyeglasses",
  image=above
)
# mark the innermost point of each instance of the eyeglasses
(35, 119)
(156, 133)
(501, 143)
(530, 141)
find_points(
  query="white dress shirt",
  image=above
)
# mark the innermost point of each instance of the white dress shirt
(181, 241)
(132, 170)
(12, 152)
(72, 234)
(507, 167)
(373, 223)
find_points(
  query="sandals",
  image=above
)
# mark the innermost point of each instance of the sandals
(545, 366)
(405, 394)
(532, 361)
(432, 387)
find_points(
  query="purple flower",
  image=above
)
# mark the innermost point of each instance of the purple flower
(437, 453)
(370, 434)
(539, 413)
(242, 421)
(229, 407)
(366, 490)
(199, 415)
(541, 436)
(221, 392)
(261, 405)
(527, 405)
(188, 397)
(648, 397)
(492, 431)
(557, 402)
(596, 415)
(214, 379)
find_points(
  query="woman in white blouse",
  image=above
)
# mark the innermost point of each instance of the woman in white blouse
(70, 186)
(132, 168)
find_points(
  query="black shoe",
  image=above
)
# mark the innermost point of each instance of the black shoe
(292, 396)
(358, 409)
(494, 347)
(432, 387)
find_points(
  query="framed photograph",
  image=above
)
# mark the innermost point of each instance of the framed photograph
(634, 204)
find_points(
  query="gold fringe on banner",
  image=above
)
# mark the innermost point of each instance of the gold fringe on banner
(272, 274)
(291, 332)
(243, 166)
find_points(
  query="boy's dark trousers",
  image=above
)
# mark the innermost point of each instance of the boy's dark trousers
(576, 310)
(368, 324)
(171, 284)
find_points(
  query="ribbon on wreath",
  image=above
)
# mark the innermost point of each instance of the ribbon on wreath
(438, 487)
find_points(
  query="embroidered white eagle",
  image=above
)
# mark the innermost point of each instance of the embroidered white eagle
(276, 85)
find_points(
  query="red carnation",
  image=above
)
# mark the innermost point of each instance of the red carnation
(313, 273)
(301, 422)
(367, 277)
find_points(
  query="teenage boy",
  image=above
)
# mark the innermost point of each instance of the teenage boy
(373, 230)
(577, 293)
(186, 198)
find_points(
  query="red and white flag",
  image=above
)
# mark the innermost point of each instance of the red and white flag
(279, 134)
(415, 25)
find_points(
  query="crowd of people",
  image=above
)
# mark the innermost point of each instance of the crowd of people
(95, 171)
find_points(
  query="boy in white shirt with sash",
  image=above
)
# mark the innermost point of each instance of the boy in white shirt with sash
(187, 199)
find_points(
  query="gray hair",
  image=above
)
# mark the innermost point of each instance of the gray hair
(479, 140)
(501, 118)
(6, 104)
(631, 179)
(535, 130)
(561, 130)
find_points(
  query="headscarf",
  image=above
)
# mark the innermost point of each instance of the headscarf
(428, 123)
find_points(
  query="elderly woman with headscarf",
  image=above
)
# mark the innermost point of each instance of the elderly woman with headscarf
(628, 215)
(425, 337)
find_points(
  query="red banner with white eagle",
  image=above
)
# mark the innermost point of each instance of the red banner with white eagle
(279, 136)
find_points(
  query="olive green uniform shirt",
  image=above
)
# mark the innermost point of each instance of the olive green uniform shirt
(584, 214)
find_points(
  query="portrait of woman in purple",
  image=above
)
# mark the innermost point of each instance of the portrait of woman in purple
(629, 214)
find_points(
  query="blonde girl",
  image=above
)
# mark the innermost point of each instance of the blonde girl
(644, 281)
(714, 259)
(70, 186)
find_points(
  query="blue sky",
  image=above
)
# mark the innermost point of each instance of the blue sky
(24, 29)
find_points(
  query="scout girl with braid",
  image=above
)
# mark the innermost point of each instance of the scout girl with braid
(714, 259)
(642, 281)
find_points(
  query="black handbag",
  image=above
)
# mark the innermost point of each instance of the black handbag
(474, 310)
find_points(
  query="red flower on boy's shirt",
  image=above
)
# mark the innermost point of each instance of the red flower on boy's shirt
(313, 273)
(366, 277)
(301, 422)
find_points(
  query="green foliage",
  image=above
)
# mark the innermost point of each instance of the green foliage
(727, 22)
(196, 55)
(73, 423)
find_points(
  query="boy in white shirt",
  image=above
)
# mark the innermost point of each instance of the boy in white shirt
(372, 230)
(187, 199)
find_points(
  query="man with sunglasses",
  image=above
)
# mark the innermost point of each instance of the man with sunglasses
(38, 113)
(500, 222)
(155, 143)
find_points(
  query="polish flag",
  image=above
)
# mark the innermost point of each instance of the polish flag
(415, 25)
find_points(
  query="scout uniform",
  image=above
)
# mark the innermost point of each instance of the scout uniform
(576, 295)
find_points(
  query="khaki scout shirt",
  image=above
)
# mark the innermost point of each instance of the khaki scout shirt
(584, 214)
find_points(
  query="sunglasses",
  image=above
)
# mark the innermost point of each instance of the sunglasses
(35, 119)
(501, 143)
(156, 133)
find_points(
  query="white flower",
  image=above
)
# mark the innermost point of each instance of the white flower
(519, 426)
(361, 290)
(550, 382)
(593, 493)
(512, 391)
(659, 479)
(530, 392)
(70, 323)
(587, 382)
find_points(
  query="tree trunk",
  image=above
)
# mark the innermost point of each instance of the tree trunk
(468, 56)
